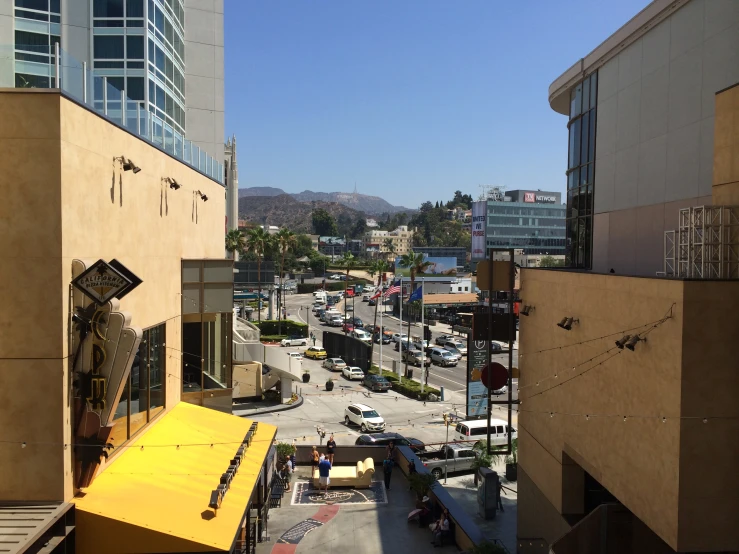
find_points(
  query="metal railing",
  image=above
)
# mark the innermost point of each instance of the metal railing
(77, 81)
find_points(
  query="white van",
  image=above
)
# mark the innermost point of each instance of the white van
(477, 430)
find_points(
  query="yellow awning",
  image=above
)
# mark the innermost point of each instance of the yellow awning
(155, 498)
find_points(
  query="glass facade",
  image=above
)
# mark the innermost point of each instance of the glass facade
(581, 173)
(536, 228)
(143, 397)
(37, 29)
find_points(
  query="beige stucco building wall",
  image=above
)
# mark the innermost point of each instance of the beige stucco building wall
(64, 198)
(726, 148)
(672, 470)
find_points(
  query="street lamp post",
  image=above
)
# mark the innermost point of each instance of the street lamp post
(446, 448)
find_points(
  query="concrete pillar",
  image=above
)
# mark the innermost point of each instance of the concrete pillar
(286, 389)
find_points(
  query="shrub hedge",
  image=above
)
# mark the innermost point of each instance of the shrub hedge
(272, 338)
(407, 387)
(289, 328)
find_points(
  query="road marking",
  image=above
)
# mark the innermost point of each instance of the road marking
(310, 401)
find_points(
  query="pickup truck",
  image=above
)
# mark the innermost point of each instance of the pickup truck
(455, 457)
(414, 358)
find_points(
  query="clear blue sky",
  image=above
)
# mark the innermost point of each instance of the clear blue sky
(412, 99)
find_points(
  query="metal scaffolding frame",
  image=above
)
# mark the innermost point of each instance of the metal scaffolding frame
(705, 244)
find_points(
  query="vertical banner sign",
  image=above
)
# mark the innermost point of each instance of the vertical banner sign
(477, 396)
(479, 223)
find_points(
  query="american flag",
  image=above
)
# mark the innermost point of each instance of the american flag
(392, 289)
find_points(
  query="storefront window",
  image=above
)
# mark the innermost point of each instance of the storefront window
(143, 397)
(205, 354)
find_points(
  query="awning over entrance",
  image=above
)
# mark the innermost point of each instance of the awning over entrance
(451, 300)
(154, 497)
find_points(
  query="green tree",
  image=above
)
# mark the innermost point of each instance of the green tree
(303, 245)
(416, 264)
(324, 223)
(235, 243)
(349, 262)
(344, 225)
(379, 267)
(426, 207)
(359, 229)
(285, 240)
(257, 242)
(550, 261)
(389, 246)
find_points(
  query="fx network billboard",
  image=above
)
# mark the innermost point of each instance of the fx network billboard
(479, 224)
(438, 267)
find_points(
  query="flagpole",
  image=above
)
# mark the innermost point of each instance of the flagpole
(400, 343)
(382, 330)
(423, 338)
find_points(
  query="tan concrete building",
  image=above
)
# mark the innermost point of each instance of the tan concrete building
(91, 382)
(374, 242)
(628, 423)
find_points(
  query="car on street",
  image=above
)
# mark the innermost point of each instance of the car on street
(352, 373)
(364, 416)
(383, 439)
(316, 353)
(294, 341)
(386, 339)
(347, 327)
(405, 345)
(371, 302)
(365, 298)
(458, 344)
(501, 390)
(441, 339)
(495, 347)
(296, 356)
(443, 357)
(452, 458)
(358, 322)
(348, 308)
(334, 364)
(397, 337)
(415, 357)
(362, 335)
(335, 277)
(335, 321)
(421, 344)
(376, 383)
(454, 351)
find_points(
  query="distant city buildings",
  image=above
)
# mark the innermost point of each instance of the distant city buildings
(388, 244)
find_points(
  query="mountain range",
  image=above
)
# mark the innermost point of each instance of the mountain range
(370, 205)
(284, 210)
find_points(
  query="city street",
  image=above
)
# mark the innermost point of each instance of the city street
(453, 379)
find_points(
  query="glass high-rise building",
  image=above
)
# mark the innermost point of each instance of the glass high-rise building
(165, 54)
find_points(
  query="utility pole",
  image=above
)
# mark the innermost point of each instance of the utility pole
(446, 448)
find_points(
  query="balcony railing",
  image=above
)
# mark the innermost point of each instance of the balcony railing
(77, 81)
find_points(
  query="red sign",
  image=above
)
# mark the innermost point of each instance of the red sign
(529, 197)
(494, 376)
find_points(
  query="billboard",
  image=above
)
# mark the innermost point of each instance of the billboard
(479, 224)
(439, 267)
(477, 393)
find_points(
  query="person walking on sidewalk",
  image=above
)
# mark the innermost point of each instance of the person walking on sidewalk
(387, 468)
(324, 470)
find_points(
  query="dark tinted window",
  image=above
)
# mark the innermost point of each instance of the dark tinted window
(107, 8)
(499, 429)
(479, 431)
(42, 5)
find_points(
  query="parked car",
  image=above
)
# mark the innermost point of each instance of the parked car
(352, 373)
(443, 357)
(335, 277)
(414, 357)
(441, 339)
(294, 342)
(366, 417)
(376, 383)
(296, 356)
(458, 344)
(347, 327)
(334, 364)
(397, 337)
(452, 458)
(316, 353)
(358, 322)
(383, 439)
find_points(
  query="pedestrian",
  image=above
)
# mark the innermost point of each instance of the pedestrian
(314, 340)
(440, 527)
(314, 457)
(411, 471)
(390, 450)
(287, 474)
(498, 497)
(387, 468)
(324, 469)
(331, 446)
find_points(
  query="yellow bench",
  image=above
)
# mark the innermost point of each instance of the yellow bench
(359, 477)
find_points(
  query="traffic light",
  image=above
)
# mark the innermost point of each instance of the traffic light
(426, 332)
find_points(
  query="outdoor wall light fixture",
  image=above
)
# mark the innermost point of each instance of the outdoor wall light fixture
(566, 323)
(172, 183)
(622, 341)
(202, 196)
(526, 310)
(631, 343)
(127, 164)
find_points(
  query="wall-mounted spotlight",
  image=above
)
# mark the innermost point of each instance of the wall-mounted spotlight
(202, 196)
(622, 341)
(567, 322)
(631, 343)
(127, 164)
(172, 183)
(526, 310)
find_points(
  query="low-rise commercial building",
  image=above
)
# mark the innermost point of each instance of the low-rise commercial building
(388, 244)
(117, 305)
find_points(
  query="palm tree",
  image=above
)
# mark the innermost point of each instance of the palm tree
(235, 243)
(379, 267)
(389, 246)
(257, 241)
(416, 264)
(349, 262)
(284, 240)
